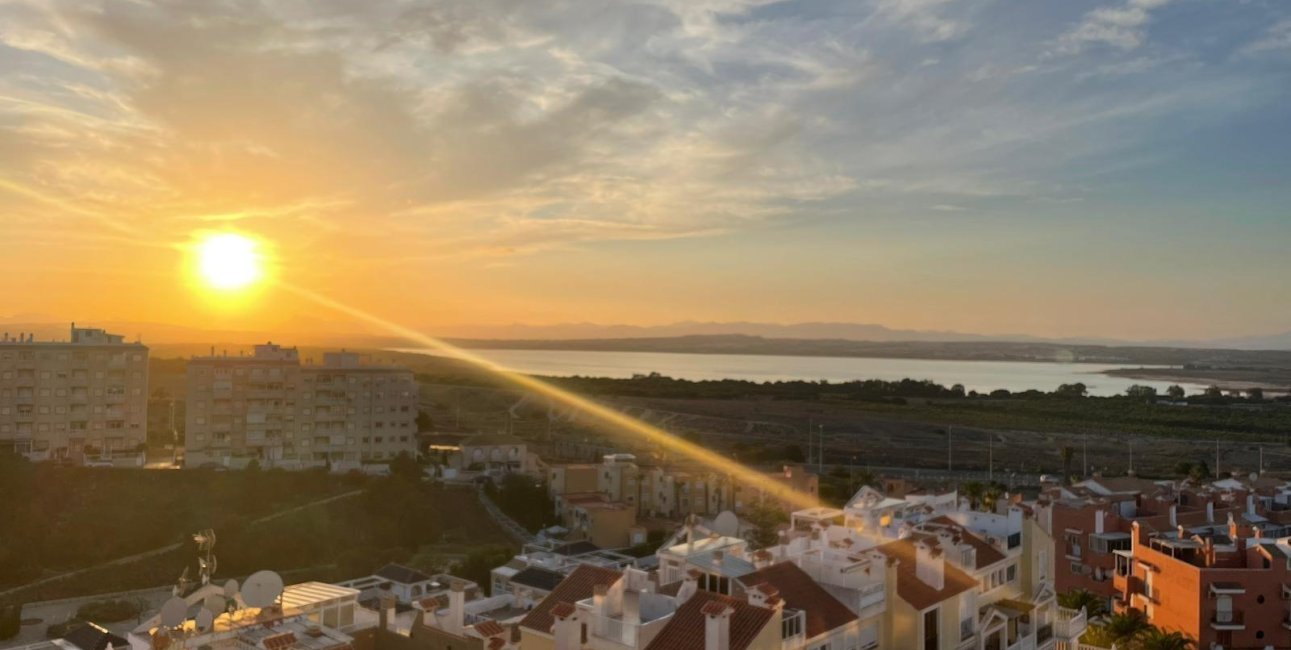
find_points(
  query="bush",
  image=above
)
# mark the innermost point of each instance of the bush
(10, 621)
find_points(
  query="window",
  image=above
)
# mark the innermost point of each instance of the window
(1012, 573)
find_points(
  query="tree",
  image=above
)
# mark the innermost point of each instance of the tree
(1068, 453)
(253, 466)
(1157, 639)
(1093, 604)
(957, 390)
(1199, 471)
(424, 421)
(1077, 389)
(480, 562)
(1139, 391)
(10, 621)
(794, 454)
(766, 520)
(1214, 391)
(973, 491)
(1126, 626)
(1175, 392)
(1255, 394)
(991, 496)
(403, 466)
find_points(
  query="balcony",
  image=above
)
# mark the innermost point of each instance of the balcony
(1069, 624)
(1229, 620)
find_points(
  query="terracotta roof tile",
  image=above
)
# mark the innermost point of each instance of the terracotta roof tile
(577, 586)
(487, 629)
(799, 591)
(918, 593)
(987, 554)
(714, 608)
(685, 631)
(280, 641)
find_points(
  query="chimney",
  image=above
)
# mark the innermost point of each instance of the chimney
(1210, 511)
(1099, 517)
(1250, 504)
(1174, 515)
(717, 625)
(385, 611)
(766, 596)
(567, 629)
(689, 585)
(718, 556)
(1232, 528)
(456, 606)
(930, 565)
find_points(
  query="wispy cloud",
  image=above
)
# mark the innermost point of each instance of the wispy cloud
(1121, 26)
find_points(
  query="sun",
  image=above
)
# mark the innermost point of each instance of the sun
(229, 261)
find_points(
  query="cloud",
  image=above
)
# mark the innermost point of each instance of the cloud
(1276, 39)
(526, 125)
(1122, 26)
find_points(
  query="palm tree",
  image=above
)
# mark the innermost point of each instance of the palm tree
(1093, 604)
(1125, 627)
(991, 496)
(973, 491)
(1068, 453)
(1157, 639)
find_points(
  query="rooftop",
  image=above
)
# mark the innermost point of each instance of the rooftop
(799, 591)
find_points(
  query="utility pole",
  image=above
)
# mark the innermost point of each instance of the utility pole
(990, 457)
(1261, 460)
(1084, 456)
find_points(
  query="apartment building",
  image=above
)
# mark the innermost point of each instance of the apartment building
(1093, 520)
(928, 572)
(1220, 575)
(80, 400)
(270, 407)
(677, 491)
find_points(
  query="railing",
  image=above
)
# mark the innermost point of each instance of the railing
(619, 631)
(1069, 623)
(1227, 618)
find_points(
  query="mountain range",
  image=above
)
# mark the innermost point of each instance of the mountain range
(47, 328)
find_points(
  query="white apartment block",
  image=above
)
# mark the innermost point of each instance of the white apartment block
(271, 407)
(82, 400)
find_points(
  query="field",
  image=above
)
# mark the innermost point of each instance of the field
(69, 519)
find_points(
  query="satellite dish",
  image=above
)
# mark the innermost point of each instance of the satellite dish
(214, 603)
(173, 612)
(726, 524)
(1255, 476)
(262, 589)
(231, 588)
(205, 619)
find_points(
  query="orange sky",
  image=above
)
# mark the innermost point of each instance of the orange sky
(459, 163)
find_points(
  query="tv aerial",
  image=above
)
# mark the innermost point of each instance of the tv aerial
(206, 561)
(262, 589)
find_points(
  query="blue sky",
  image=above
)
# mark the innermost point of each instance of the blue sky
(1077, 168)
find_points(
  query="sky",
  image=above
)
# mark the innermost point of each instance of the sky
(1109, 168)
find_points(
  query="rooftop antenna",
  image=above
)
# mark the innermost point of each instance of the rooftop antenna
(206, 561)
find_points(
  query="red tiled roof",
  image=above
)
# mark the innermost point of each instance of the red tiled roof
(563, 610)
(685, 631)
(280, 641)
(496, 643)
(799, 591)
(987, 554)
(578, 586)
(714, 608)
(487, 629)
(918, 593)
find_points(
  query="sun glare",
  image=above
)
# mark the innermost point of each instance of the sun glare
(228, 261)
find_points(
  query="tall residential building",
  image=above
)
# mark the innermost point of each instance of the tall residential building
(272, 408)
(85, 399)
